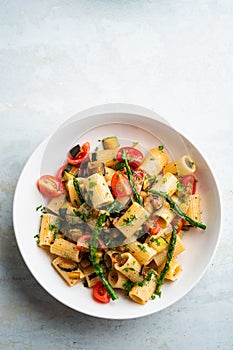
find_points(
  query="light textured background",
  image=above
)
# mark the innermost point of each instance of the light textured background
(58, 57)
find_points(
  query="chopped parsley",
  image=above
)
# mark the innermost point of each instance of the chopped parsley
(37, 238)
(128, 286)
(120, 166)
(179, 186)
(143, 249)
(191, 164)
(129, 220)
(127, 269)
(160, 147)
(92, 184)
(52, 227)
(41, 208)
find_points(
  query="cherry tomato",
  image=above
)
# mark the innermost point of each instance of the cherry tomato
(120, 185)
(59, 177)
(138, 177)
(155, 229)
(189, 184)
(49, 186)
(60, 172)
(134, 156)
(81, 156)
(100, 293)
(177, 221)
(152, 225)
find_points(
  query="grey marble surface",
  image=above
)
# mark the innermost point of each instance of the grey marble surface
(58, 57)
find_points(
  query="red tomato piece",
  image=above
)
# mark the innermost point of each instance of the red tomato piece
(189, 184)
(152, 225)
(49, 186)
(120, 186)
(81, 156)
(177, 221)
(155, 229)
(59, 177)
(134, 156)
(100, 293)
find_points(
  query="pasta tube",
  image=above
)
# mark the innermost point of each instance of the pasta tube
(129, 267)
(68, 270)
(65, 249)
(91, 277)
(98, 193)
(160, 258)
(194, 210)
(182, 166)
(165, 215)
(141, 294)
(107, 156)
(49, 227)
(142, 252)
(173, 271)
(132, 220)
(116, 279)
(167, 184)
(154, 162)
(56, 203)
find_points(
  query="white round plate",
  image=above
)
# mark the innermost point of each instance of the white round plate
(129, 123)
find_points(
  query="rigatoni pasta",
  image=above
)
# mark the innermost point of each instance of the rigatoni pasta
(114, 220)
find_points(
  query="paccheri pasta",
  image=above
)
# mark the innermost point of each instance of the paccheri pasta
(115, 218)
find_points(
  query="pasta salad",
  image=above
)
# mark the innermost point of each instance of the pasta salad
(115, 218)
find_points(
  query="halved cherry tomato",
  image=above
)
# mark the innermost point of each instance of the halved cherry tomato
(178, 222)
(152, 225)
(120, 186)
(155, 229)
(59, 177)
(134, 156)
(100, 293)
(49, 186)
(81, 156)
(139, 177)
(60, 172)
(189, 184)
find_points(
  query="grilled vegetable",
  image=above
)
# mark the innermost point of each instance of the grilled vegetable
(110, 142)
(163, 273)
(130, 177)
(93, 256)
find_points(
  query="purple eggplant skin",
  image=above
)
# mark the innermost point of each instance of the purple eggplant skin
(75, 150)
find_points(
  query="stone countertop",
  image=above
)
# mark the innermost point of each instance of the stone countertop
(59, 57)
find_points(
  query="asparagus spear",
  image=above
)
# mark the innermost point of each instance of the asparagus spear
(130, 177)
(93, 255)
(77, 189)
(177, 209)
(163, 273)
